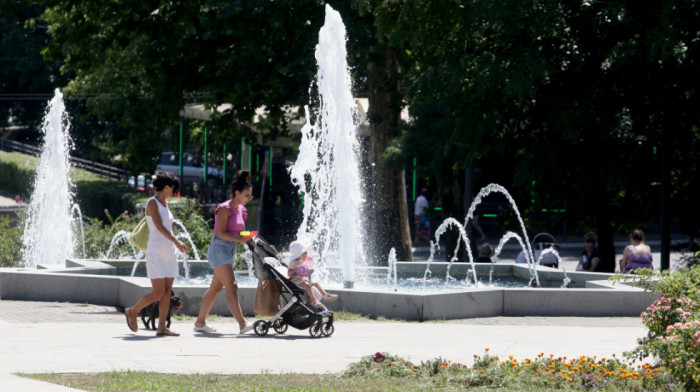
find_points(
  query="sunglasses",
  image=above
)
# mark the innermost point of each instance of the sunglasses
(590, 241)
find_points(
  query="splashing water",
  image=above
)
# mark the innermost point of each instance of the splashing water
(391, 274)
(326, 170)
(495, 188)
(122, 236)
(186, 235)
(462, 239)
(48, 238)
(76, 208)
(507, 237)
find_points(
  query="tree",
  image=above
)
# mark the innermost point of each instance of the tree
(576, 93)
(377, 67)
(26, 80)
(135, 77)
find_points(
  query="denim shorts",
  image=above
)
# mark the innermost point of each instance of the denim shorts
(221, 252)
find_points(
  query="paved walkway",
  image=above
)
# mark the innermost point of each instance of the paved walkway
(40, 337)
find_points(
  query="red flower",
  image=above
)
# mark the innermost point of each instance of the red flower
(379, 357)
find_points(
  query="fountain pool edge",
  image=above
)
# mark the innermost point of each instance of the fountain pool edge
(599, 298)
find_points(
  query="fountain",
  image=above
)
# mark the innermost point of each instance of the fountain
(326, 169)
(48, 238)
(330, 225)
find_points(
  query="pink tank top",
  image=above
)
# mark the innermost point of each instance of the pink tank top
(236, 218)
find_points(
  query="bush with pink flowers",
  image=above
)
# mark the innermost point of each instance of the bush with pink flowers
(673, 321)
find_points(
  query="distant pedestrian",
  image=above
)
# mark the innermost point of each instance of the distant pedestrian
(485, 253)
(637, 254)
(590, 256)
(422, 222)
(161, 261)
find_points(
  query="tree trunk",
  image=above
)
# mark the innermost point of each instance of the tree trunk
(606, 246)
(387, 191)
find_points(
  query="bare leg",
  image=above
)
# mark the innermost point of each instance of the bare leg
(320, 289)
(224, 274)
(156, 294)
(208, 301)
(164, 308)
(309, 291)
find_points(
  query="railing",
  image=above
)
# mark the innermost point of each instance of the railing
(100, 170)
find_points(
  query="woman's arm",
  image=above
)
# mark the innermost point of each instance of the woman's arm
(594, 264)
(222, 218)
(625, 256)
(152, 211)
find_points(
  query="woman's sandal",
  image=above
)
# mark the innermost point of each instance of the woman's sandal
(205, 328)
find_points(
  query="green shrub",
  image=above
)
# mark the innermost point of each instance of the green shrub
(17, 173)
(674, 323)
(99, 234)
(199, 228)
(10, 242)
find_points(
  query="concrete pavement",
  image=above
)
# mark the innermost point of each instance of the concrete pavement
(41, 337)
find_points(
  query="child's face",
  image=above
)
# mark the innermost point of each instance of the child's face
(303, 256)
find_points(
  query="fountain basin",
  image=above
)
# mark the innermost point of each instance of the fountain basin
(97, 282)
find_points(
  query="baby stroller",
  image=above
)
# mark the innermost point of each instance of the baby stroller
(544, 241)
(296, 309)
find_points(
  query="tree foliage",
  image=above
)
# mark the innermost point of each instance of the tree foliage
(24, 75)
(138, 62)
(581, 96)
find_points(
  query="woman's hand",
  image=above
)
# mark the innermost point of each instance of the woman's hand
(181, 246)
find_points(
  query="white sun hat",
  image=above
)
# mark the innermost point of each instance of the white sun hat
(296, 249)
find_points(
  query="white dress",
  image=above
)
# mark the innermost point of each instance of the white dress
(161, 261)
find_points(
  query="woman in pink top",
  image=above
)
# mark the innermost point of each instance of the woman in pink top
(228, 223)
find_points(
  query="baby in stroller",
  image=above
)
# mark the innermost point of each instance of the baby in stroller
(298, 272)
(289, 307)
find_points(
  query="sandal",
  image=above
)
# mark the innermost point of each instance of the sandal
(247, 328)
(330, 297)
(205, 328)
(318, 304)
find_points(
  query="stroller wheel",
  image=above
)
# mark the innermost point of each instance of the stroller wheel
(261, 327)
(279, 326)
(315, 330)
(328, 328)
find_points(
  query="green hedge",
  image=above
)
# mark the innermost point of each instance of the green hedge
(17, 173)
(93, 194)
(96, 196)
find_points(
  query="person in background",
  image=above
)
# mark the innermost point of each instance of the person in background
(485, 253)
(590, 256)
(161, 261)
(637, 254)
(229, 221)
(422, 230)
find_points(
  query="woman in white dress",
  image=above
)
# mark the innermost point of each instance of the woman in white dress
(161, 261)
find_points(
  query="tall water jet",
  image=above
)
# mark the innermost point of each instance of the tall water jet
(326, 169)
(48, 237)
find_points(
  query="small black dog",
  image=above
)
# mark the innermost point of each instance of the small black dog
(149, 314)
